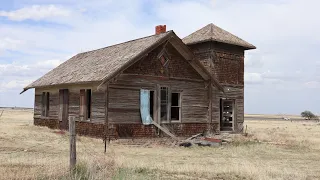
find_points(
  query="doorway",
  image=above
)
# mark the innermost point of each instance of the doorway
(64, 106)
(227, 114)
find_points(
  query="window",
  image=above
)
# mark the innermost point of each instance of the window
(45, 104)
(170, 105)
(85, 104)
(175, 106)
(164, 103)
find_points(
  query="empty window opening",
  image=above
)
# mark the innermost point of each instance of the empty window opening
(88, 94)
(85, 104)
(82, 104)
(227, 115)
(151, 103)
(45, 104)
(175, 106)
(164, 103)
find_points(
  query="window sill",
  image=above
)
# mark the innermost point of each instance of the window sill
(84, 120)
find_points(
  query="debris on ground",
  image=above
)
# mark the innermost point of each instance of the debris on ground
(202, 140)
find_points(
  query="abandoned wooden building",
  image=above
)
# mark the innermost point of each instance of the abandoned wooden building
(136, 88)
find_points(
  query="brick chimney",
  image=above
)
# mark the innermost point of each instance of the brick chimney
(161, 29)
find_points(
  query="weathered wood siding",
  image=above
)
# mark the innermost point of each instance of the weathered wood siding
(53, 105)
(37, 105)
(235, 93)
(124, 102)
(147, 73)
(74, 102)
(124, 105)
(226, 62)
(177, 67)
(97, 107)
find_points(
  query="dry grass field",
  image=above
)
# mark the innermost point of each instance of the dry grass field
(272, 150)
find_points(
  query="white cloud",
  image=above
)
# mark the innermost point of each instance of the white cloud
(289, 75)
(312, 84)
(29, 70)
(36, 12)
(252, 78)
(15, 76)
(271, 77)
(254, 59)
(48, 63)
(7, 43)
(13, 84)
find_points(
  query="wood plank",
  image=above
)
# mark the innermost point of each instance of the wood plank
(37, 104)
(124, 110)
(194, 98)
(106, 124)
(210, 103)
(54, 105)
(150, 77)
(164, 130)
(98, 106)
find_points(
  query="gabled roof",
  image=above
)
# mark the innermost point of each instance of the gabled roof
(212, 32)
(96, 65)
(103, 64)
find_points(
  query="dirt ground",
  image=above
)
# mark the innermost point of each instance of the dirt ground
(272, 150)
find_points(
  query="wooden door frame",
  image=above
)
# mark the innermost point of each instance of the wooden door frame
(233, 112)
(64, 108)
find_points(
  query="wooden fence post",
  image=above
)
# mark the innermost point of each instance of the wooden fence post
(73, 152)
(1, 113)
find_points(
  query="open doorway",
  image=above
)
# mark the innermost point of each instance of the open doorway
(226, 114)
(64, 106)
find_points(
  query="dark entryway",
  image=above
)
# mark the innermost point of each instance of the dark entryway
(64, 106)
(226, 115)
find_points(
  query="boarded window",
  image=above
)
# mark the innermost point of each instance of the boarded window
(164, 104)
(85, 104)
(175, 106)
(45, 104)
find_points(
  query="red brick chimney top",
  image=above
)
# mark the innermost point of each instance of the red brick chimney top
(161, 29)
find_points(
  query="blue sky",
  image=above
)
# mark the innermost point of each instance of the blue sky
(281, 76)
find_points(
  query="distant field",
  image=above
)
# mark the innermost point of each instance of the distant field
(271, 117)
(272, 150)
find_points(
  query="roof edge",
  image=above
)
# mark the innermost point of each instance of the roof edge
(57, 85)
(211, 40)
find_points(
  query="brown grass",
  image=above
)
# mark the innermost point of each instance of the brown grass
(272, 150)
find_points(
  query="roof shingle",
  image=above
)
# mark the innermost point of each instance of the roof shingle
(212, 32)
(96, 65)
